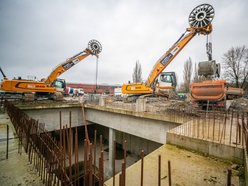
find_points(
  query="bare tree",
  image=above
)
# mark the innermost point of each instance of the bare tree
(137, 72)
(235, 65)
(187, 73)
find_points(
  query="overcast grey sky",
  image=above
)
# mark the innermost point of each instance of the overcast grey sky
(35, 36)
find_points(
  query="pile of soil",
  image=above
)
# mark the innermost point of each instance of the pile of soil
(240, 104)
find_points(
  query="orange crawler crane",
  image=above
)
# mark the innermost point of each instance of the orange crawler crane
(51, 87)
(200, 24)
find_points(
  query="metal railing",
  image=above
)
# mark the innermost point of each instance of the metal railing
(217, 126)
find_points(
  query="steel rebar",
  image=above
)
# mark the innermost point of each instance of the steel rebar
(142, 167)
(229, 177)
(114, 157)
(7, 145)
(159, 170)
(169, 173)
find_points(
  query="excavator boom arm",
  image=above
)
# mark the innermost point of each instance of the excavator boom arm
(165, 60)
(94, 48)
(66, 66)
(4, 76)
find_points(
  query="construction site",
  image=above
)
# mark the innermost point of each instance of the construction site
(139, 133)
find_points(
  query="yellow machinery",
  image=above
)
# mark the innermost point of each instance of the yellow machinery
(200, 23)
(51, 87)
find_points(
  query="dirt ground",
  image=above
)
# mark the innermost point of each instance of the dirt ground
(187, 169)
(16, 170)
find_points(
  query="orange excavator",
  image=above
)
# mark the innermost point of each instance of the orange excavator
(200, 23)
(52, 87)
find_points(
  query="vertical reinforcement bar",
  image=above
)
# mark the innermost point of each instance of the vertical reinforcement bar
(90, 164)
(7, 145)
(229, 177)
(142, 167)
(95, 132)
(123, 172)
(159, 170)
(169, 172)
(85, 161)
(125, 162)
(114, 157)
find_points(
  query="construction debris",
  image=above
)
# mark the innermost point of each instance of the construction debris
(240, 104)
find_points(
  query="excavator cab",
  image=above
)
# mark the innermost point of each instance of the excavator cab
(166, 84)
(167, 80)
(59, 84)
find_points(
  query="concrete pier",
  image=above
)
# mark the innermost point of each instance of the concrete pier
(111, 151)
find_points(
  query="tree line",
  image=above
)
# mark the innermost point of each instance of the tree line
(234, 67)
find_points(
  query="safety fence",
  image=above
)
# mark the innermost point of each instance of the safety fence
(52, 157)
(228, 127)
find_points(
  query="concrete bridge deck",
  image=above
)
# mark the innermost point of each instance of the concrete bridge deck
(187, 167)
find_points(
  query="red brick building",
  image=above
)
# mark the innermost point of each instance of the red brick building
(92, 88)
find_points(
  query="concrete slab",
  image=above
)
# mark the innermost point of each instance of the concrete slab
(188, 168)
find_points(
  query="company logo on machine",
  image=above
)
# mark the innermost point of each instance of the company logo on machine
(132, 88)
(68, 65)
(167, 58)
(30, 86)
(39, 86)
(135, 87)
(170, 55)
(175, 50)
(75, 61)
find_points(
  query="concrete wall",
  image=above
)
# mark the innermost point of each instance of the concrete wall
(52, 119)
(150, 129)
(222, 151)
(134, 143)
